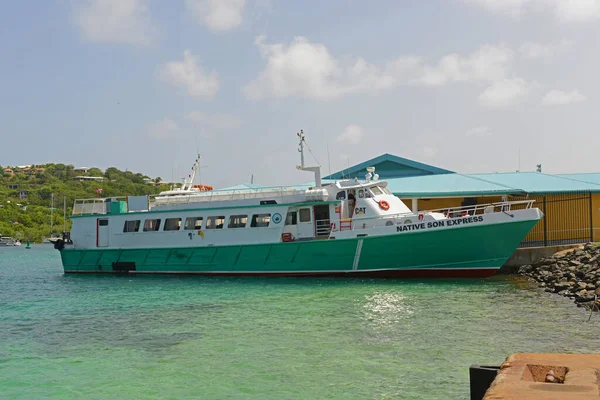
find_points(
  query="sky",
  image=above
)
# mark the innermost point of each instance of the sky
(472, 86)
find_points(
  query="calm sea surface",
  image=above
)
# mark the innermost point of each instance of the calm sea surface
(108, 337)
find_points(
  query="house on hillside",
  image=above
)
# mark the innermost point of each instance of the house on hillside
(88, 178)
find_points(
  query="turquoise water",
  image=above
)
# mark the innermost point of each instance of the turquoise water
(109, 337)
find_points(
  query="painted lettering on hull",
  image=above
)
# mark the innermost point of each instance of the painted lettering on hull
(442, 223)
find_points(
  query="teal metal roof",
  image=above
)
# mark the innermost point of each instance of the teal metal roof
(389, 166)
(592, 177)
(537, 182)
(473, 185)
(447, 185)
(458, 185)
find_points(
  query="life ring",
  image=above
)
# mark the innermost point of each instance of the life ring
(384, 205)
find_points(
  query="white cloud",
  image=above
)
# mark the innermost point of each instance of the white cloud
(217, 15)
(306, 69)
(488, 63)
(576, 10)
(219, 122)
(480, 131)
(564, 10)
(191, 76)
(163, 129)
(538, 50)
(505, 93)
(558, 97)
(352, 134)
(116, 21)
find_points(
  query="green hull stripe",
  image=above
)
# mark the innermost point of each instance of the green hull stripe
(473, 247)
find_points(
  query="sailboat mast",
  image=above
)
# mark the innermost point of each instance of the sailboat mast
(64, 214)
(51, 212)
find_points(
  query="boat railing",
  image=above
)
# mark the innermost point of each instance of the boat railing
(322, 227)
(215, 195)
(504, 206)
(95, 205)
(449, 212)
(101, 206)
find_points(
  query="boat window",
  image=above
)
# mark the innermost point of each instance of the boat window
(361, 193)
(341, 195)
(103, 222)
(260, 220)
(172, 224)
(151, 225)
(131, 226)
(386, 190)
(292, 218)
(215, 222)
(193, 223)
(237, 221)
(375, 190)
(305, 215)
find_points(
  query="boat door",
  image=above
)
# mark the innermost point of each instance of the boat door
(102, 233)
(306, 229)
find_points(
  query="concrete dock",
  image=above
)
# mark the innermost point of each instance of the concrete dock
(527, 376)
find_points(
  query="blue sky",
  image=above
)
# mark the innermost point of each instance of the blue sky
(465, 85)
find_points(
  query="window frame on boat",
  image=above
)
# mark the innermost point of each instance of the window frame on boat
(291, 218)
(374, 189)
(127, 226)
(170, 227)
(237, 221)
(255, 223)
(215, 222)
(300, 216)
(191, 223)
(152, 225)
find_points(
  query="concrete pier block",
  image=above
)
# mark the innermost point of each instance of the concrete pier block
(528, 376)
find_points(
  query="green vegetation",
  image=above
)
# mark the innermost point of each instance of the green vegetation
(26, 195)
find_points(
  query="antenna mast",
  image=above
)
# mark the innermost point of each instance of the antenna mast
(189, 181)
(301, 167)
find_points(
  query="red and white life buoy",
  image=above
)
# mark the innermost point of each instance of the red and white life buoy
(421, 216)
(384, 205)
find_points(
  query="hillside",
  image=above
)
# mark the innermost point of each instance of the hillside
(26, 195)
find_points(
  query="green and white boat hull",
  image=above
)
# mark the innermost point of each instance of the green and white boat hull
(475, 250)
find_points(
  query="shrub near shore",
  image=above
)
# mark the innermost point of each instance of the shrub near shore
(573, 273)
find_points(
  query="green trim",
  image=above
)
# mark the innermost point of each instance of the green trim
(299, 204)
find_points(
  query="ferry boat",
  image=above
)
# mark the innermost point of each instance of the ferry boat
(341, 228)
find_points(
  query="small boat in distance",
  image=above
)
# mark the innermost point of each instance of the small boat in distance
(346, 228)
(7, 241)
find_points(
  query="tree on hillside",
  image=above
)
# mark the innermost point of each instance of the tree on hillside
(113, 173)
(95, 172)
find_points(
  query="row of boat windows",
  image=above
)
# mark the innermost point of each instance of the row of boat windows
(216, 222)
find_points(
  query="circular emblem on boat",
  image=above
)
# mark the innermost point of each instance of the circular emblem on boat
(276, 218)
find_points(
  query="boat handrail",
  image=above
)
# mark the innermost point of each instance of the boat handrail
(95, 205)
(225, 195)
(450, 212)
(482, 208)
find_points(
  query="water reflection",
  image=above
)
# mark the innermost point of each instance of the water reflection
(386, 309)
